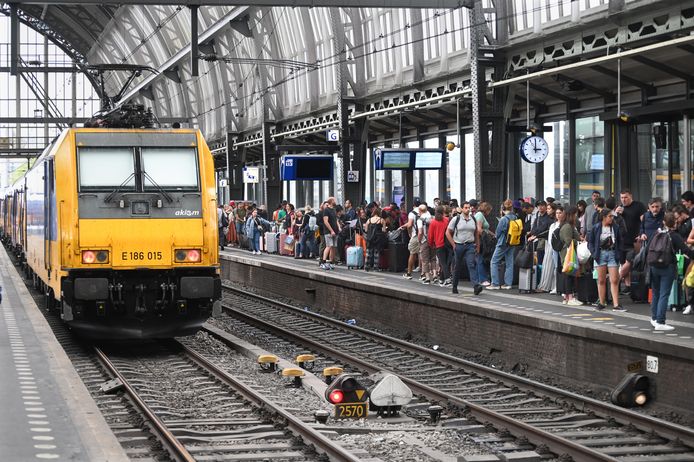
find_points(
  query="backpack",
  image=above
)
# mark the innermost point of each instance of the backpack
(515, 229)
(660, 253)
(555, 241)
(225, 220)
(488, 244)
(313, 223)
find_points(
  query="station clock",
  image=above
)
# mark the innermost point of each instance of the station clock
(534, 149)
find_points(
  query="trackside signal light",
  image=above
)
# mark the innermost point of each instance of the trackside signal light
(336, 396)
(631, 391)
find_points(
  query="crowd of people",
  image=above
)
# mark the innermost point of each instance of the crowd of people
(613, 247)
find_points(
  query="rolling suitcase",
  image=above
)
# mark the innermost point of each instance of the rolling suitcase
(527, 282)
(355, 257)
(639, 288)
(397, 256)
(677, 299)
(286, 244)
(587, 288)
(272, 242)
(244, 242)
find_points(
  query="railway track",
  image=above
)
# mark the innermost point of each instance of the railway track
(200, 412)
(567, 424)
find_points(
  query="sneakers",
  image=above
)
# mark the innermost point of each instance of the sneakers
(654, 322)
(506, 287)
(330, 266)
(660, 326)
(493, 287)
(626, 290)
(426, 281)
(324, 266)
(447, 282)
(599, 307)
(619, 309)
(486, 284)
(416, 270)
(687, 310)
(574, 302)
(407, 275)
(478, 289)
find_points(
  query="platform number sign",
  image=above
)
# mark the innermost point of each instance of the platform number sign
(652, 364)
(333, 135)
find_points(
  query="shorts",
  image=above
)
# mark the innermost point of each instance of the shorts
(629, 255)
(413, 245)
(330, 240)
(607, 258)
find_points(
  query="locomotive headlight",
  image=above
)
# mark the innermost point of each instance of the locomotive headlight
(188, 255)
(94, 256)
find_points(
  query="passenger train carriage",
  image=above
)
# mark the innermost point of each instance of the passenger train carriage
(119, 227)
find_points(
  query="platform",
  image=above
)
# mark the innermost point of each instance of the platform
(534, 332)
(47, 413)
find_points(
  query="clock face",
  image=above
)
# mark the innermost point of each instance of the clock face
(534, 149)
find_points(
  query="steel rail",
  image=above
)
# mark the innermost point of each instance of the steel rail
(643, 422)
(557, 444)
(296, 425)
(175, 448)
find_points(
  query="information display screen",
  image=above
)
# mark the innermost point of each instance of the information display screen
(302, 167)
(408, 159)
(397, 160)
(428, 160)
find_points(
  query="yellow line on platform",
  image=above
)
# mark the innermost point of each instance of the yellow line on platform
(580, 314)
(601, 319)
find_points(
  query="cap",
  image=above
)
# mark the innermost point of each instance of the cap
(550, 199)
(473, 203)
(516, 204)
(232, 203)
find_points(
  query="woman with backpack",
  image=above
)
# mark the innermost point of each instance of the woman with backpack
(375, 229)
(606, 247)
(662, 263)
(508, 235)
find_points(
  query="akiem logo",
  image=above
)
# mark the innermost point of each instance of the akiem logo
(187, 213)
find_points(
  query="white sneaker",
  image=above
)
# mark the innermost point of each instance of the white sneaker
(654, 322)
(574, 302)
(506, 287)
(664, 327)
(687, 310)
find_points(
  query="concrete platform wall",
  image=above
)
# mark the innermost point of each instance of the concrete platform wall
(590, 357)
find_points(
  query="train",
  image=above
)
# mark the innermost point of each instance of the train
(118, 228)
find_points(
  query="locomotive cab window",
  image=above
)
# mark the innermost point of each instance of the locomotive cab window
(106, 168)
(172, 169)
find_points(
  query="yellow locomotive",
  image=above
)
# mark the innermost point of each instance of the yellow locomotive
(119, 228)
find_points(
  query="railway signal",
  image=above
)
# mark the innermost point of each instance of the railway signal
(349, 397)
(632, 391)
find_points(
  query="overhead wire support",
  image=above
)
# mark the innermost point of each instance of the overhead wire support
(288, 64)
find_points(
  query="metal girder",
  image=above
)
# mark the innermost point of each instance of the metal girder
(74, 120)
(183, 53)
(650, 89)
(42, 69)
(294, 3)
(662, 67)
(553, 94)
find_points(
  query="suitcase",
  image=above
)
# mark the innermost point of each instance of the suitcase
(639, 288)
(272, 242)
(286, 249)
(397, 256)
(355, 257)
(527, 282)
(244, 242)
(587, 288)
(677, 299)
(298, 253)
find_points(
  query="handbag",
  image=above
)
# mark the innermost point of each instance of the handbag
(583, 253)
(289, 242)
(524, 258)
(570, 266)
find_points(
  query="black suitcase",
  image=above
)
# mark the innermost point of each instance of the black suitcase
(397, 256)
(677, 299)
(639, 288)
(587, 289)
